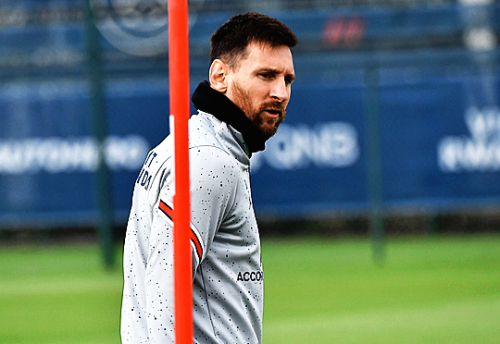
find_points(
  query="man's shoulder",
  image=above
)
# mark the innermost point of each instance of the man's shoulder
(202, 131)
(208, 145)
(208, 131)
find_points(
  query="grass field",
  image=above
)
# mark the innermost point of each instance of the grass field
(440, 290)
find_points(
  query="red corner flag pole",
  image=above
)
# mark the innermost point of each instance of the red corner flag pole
(178, 37)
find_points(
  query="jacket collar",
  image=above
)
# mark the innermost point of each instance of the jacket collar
(208, 100)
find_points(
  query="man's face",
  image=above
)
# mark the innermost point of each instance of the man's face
(261, 84)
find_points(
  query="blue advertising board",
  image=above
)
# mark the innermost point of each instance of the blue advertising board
(441, 142)
(48, 156)
(440, 148)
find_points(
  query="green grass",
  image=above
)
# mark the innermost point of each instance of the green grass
(429, 291)
(58, 295)
(442, 290)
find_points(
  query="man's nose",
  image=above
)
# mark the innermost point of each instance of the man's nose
(280, 90)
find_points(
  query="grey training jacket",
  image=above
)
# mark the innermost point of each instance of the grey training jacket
(227, 269)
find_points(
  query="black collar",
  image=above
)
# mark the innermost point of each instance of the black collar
(208, 100)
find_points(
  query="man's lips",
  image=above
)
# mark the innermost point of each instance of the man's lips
(272, 113)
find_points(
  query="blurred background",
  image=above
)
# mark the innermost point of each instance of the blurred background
(393, 130)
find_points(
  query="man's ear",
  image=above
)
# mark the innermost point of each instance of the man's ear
(218, 76)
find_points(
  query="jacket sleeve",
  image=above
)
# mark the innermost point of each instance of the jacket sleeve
(213, 179)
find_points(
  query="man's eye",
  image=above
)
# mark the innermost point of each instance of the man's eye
(268, 76)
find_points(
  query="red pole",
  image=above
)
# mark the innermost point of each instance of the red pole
(179, 108)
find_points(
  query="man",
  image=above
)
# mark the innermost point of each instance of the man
(239, 108)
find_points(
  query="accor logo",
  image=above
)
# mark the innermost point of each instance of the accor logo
(250, 276)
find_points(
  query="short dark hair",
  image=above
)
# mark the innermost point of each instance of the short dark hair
(231, 39)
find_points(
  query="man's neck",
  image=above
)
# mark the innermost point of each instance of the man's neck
(217, 104)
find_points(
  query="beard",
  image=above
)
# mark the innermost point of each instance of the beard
(268, 126)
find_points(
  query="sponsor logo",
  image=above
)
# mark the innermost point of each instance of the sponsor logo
(250, 276)
(73, 154)
(478, 152)
(330, 145)
(137, 27)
